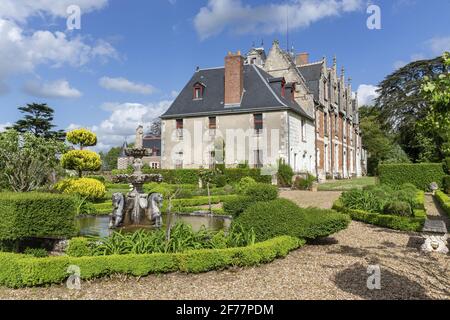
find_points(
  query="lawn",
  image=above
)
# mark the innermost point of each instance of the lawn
(344, 185)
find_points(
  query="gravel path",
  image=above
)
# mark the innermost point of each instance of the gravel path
(335, 268)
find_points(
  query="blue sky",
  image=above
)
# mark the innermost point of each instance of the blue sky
(130, 58)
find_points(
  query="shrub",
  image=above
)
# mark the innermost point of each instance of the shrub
(262, 192)
(283, 217)
(447, 165)
(285, 174)
(362, 200)
(81, 160)
(236, 206)
(23, 271)
(91, 189)
(221, 180)
(36, 252)
(36, 215)
(444, 201)
(102, 179)
(398, 208)
(304, 183)
(446, 184)
(82, 137)
(244, 184)
(78, 247)
(421, 175)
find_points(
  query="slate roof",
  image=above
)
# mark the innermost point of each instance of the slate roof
(259, 95)
(152, 142)
(312, 74)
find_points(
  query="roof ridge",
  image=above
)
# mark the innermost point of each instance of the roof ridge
(311, 63)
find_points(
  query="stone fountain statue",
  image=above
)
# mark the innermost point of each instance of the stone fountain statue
(137, 206)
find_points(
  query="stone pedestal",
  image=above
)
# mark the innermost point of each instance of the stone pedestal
(435, 235)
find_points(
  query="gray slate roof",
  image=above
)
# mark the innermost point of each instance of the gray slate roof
(259, 95)
(312, 74)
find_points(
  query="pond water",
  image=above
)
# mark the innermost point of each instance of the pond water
(99, 225)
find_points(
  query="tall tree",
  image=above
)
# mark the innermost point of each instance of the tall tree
(401, 102)
(155, 127)
(38, 120)
(109, 159)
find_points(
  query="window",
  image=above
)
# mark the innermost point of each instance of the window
(179, 160)
(198, 91)
(179, 127)
(325, 90)
(154, 165)
(303, 130)
(325, 124)
(212, 160)
(212, 126)
(336, 129)
(258, 122)
(258, 159)
(253, 61)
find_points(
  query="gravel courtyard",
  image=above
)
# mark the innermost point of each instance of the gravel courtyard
(334, 268)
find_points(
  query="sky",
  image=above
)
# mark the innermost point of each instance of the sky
(128, 60)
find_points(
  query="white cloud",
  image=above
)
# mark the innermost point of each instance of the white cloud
(438, 45)
(219, 15)
(56, 89)
(366, 94)
(3, 126)
(22, 52)
(20, 10)
(123, 121)
(125, 85)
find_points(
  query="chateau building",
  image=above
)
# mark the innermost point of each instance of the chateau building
(258, 109)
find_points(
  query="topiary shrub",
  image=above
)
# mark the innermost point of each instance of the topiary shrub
(262, 192)
(420, 174)
(285, 174)
(398, 208)
(283, 217)
(234, 207)
(36, 215)
(78, 247)
(244, 184)
(91, 189)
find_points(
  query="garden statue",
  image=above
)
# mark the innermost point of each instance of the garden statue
(435, 234)
(118, 201)
(136, 205)
(434, 187)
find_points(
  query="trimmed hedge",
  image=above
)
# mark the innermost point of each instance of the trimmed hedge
(235, 207)
(414, 223)
(36, 215)
(421, 174)
(283, 217)
(446, 184)
(444, 201)
(24, 271)
(191, 176)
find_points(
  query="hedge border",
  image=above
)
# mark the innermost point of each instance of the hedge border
(25, 271)
(444, 201)
(384, 220)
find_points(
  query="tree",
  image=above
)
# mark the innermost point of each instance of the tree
(155, 127)
(38, 120)
(435, 126)
(110, 158)
(81, 160)
(26, 160)
(82, 138)
(401, 103)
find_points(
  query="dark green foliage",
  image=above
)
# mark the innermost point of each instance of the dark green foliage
(109, 159)
(234, 207)
(36, 252)
(285, 174)
(398, 208)
(102, 179)
(304, 183)
(24, 271)
(262, 192)
(447, 165)
(446, 184)
(421, 175)
(283, 217)
(221, 180)
(39, 215)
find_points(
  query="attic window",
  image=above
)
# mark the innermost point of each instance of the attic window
(198, 91)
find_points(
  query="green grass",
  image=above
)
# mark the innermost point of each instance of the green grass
(345, 185)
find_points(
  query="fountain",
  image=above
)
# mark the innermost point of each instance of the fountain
(135, 207)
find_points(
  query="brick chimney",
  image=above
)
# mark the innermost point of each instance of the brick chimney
(302, 58)
(234, 78)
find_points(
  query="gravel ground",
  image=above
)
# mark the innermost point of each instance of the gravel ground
(334, 268)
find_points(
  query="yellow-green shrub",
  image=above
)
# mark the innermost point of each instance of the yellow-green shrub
(91, 189)
(81, 160)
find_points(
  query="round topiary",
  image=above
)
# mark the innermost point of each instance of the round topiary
(91, 189)
(283, 217)
(244, 184)
(262, 192)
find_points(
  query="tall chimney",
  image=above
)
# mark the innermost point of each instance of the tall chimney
(302, 58)
(234, 78)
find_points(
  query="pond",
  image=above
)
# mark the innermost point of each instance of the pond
(99, 225)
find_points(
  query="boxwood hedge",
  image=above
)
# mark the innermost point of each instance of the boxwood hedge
(36, 215)
(421, 174)
(24, 271)
(444, 201)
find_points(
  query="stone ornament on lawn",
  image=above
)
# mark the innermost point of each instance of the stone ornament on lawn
(435, 234)
(434, 187)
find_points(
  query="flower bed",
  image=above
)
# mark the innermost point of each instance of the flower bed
(24, 271)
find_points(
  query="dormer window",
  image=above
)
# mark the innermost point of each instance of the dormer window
(198, 91)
